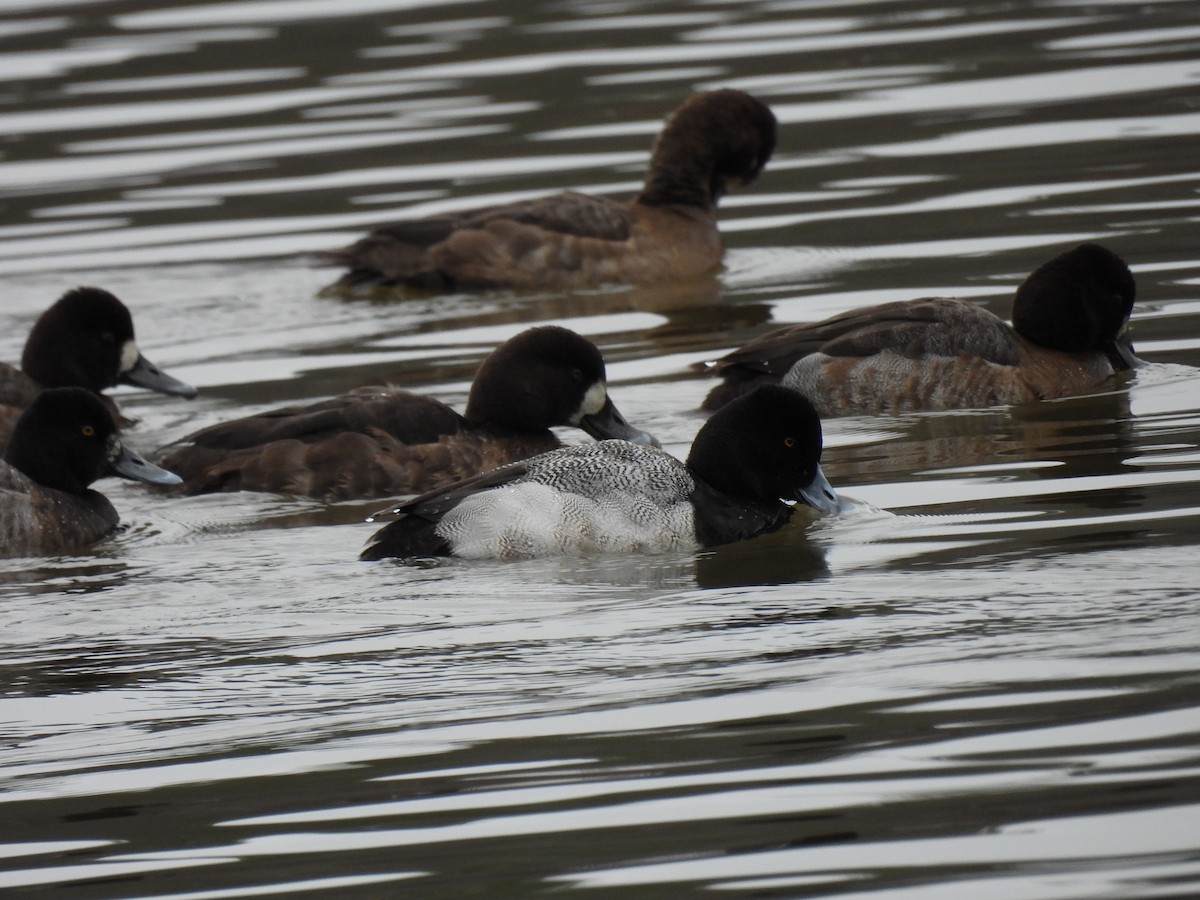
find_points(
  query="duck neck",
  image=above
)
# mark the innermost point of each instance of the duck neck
(44, 470)
(680, 174)
(721, 519)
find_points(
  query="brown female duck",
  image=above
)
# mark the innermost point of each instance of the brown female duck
(1067, 336)
(667, 232)
(381, 441)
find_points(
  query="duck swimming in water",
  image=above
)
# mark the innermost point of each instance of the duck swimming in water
(1068, 335)
(63, 442)
(381, 441)
(613, 496)
(667, 232)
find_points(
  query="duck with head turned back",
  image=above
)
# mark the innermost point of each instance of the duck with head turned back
(715, 140)
(746, 461)
(84, 340)
(378, 441)
(1068, 335)
(63, 442)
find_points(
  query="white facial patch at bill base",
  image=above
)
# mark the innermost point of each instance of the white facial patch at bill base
(129, 356)
(593, 402)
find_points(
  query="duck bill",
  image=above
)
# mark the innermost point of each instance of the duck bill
(145, 374)
(1120, 354)
(609, 423)
(124, 463)
(820, 495)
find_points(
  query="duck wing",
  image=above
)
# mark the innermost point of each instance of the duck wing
(481, 246)
(414, 534)
(369, 443)
(566, 213)
(434, 504)
(16, 388)
(407, 417)
(914, 329)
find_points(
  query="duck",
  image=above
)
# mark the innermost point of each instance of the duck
(85, 339)
(750, 458)
(667, 232)
(64, 440)
(382, 441)
(1069, 333)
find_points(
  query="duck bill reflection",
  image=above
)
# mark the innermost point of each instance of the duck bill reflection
(124, 463)
(145, 374)
(609, 423)
(820, 495)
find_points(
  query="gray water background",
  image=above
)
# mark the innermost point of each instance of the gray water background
(980, 681)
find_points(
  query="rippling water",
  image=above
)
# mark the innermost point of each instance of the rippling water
(979, 681)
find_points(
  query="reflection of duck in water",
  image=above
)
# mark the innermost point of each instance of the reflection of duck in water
(615, 496)
(667, 232)
(1082, 436)
(1067, 336)
(787, 556)
(381, 441)
(84, 340)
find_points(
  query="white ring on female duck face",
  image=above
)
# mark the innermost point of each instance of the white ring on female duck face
(129, 356)
(593, 402)
(113, 448)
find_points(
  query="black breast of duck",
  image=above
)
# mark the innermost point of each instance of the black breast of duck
(714, 140)
(1068, 335)
(381, 441)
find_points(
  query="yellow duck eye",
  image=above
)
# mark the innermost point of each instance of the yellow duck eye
(88, 430)
(789, 442)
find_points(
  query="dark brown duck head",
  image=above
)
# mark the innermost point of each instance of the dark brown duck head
(1079, 301)
(714, 140)
(548, 376)
(67, 439)
(86, 340)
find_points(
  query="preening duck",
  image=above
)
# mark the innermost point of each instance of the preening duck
(668, 231)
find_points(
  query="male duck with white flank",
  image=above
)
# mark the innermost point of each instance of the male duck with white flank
(613, 496)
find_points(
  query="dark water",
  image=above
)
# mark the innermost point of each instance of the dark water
(980, 681)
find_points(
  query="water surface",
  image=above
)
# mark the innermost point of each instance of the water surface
(979, 680)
